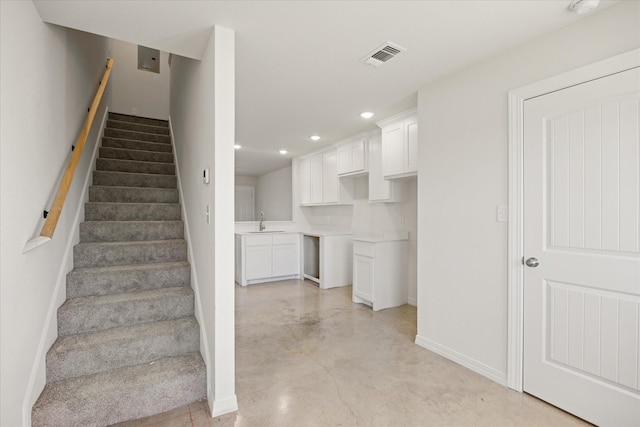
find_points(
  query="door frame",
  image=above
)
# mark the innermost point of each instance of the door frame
(515, 252)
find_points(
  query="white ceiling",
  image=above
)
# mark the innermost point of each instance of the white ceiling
(298, 69)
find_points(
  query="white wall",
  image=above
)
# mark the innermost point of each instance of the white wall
(273, 195)
(462, 263)
(144, 91)
(48, 76)
(249, 181)
(202, 120)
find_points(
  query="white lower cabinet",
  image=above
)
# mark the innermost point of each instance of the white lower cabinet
(380, 273)
(267, 257)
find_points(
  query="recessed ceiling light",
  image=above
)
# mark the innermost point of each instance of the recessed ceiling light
(366, 115)
(237, 146)
(283, 151)
(314, 137)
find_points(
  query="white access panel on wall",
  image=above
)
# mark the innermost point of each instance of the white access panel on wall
(582, 249)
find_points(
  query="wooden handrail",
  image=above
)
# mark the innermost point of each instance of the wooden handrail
(54, 214)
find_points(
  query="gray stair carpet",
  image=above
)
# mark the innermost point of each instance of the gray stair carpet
(129, 344)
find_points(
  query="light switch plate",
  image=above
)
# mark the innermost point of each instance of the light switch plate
(502, 213)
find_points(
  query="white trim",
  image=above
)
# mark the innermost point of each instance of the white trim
(224, 406)
(413, 302)
(461, 359)
(396, 117)
(515, 268)
(204, 345)
(50, 329)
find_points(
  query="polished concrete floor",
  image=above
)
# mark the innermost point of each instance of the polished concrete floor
(310, 357)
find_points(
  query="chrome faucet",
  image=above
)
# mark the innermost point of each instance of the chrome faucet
(262, 226)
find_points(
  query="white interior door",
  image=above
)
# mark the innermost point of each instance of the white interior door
(244, 203)
(582, 224)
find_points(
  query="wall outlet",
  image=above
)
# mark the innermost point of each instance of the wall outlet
(134, 111)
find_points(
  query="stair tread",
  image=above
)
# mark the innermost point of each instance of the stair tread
(99, 351)
(132, 151)
(134, 203)
(89, 340)
(117, 122)
(128, 297)
(128, 267)
(160, 147)
(135, 161)
(134, 173)
(113, 115)
(122, 394)
(136, 242)
(127, 187)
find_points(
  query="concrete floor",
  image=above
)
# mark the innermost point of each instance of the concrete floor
(310, 357)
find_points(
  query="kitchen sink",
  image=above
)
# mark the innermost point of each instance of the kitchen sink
(268, 231)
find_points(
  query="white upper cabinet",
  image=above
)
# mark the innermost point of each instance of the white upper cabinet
(400, 145)
(322, 185)
(352, 158)
(304, 182)
(316, 180)
(380, 189)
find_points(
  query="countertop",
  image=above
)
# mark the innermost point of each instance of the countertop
(394, 236)
(308, 232)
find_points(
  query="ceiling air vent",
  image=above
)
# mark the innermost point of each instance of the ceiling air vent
(382, 54)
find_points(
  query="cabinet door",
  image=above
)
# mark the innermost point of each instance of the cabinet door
(304, 173)
(363, 277)
(316, 177)
(379, 188)
(257, 262)
(393, 157)
(330, 178)
(344, 159)
(358, 156)
(286, 260)
(411, 134)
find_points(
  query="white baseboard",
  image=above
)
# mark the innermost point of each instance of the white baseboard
(37, 379)
(413, 302)
(461, 359)
(223, 406)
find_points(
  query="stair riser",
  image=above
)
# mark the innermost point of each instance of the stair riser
(117, 165)
(136, 119)
(138, 136)
(78, 320)
(133, 195)
(137, 127)
(122, 179)
(120, 231)
(104, 255)
(131, 212)
(129, 395)
(137, 155)
(91, 282)
(129, 144)
(88, 354)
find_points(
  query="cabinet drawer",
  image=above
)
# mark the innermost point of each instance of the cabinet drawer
(257, 240)
(364, 249)
(285, 239)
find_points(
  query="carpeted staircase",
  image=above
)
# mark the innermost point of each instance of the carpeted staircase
(128, 343)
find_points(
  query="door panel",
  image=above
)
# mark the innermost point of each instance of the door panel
(581, 216)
